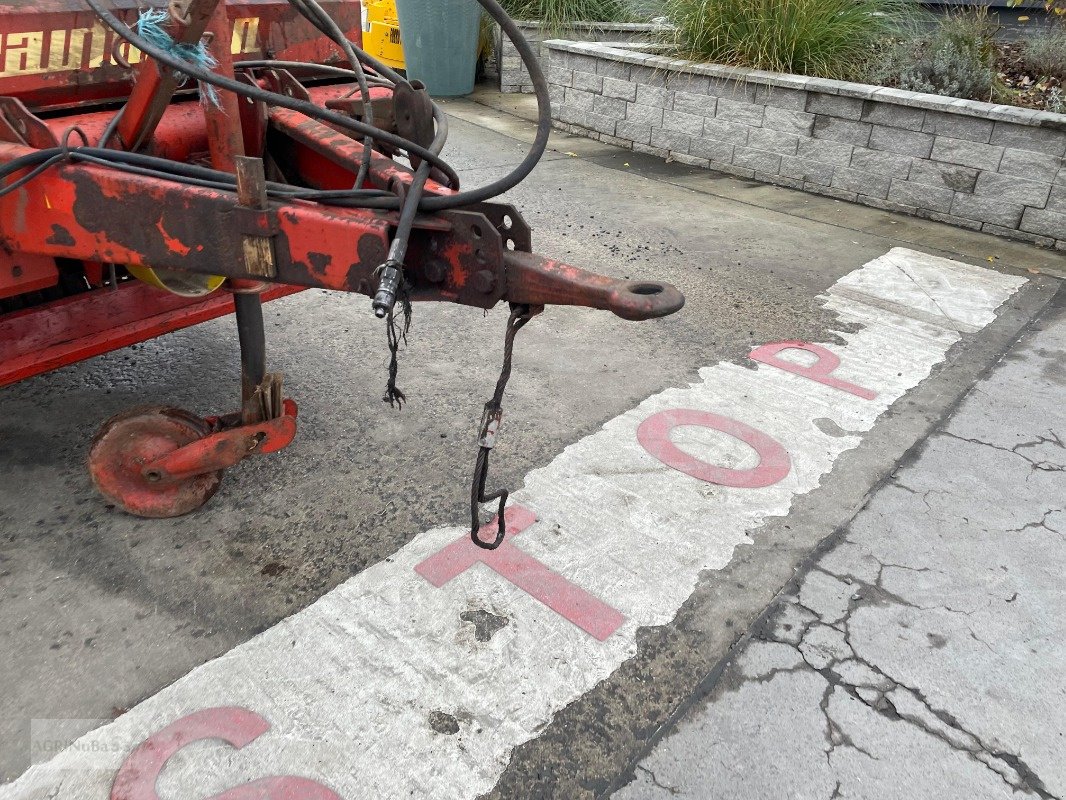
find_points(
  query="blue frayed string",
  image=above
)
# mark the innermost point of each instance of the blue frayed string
(150, 26)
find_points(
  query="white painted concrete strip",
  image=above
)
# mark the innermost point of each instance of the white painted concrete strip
(347, 685)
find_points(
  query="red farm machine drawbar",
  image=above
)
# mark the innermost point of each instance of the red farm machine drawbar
(162, 165)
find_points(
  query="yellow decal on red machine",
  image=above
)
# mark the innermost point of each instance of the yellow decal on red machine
(41, 52)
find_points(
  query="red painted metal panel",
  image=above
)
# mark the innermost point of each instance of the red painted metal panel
(56, 54)
(53, 335)
(25, 272)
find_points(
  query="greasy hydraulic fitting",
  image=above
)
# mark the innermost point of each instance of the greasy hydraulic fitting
(389, 276)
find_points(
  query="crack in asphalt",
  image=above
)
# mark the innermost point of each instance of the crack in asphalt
(665, 787)
(1009, 767)
(793, 624)
(834, 733)
(1040, 523)
(1054, 439)
(895, 481)
(1043, 466)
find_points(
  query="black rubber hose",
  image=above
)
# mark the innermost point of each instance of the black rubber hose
(367, 59)
(44, 159)
(544, 122)
(391, 272)
(317, 17)
(189, 174)
(324, 69)
(540, 85)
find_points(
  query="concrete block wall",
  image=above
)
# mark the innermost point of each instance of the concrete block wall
(994, 168)
(513, 75)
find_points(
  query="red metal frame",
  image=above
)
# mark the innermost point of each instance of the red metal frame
(225, 448)
(77, 218)
(75, 328)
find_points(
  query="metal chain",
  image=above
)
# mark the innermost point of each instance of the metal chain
(490, 425)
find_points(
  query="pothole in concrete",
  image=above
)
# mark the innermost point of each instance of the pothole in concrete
(830, 428)
(486, 624)
(443, 722)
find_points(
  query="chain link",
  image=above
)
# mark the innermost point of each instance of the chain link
(490, 424)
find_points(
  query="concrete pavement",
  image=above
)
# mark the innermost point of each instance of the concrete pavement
(102, 611)
(921, 652)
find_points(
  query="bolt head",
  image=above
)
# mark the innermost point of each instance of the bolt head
(435, 271)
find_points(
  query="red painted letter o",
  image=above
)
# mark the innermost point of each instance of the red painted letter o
(774, 463)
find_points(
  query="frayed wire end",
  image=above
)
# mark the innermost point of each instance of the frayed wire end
(150, 25)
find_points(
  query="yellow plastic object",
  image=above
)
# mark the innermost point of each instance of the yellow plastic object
(186, 284)
(381, 32)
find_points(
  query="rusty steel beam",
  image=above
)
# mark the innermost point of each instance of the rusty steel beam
(100, 214)
(105, 215)
(320, 150)
(537, 280)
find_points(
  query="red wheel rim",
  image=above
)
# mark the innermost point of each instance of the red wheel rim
(128, 441)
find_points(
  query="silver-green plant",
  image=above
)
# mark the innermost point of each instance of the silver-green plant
(1045, 53)
(955, 58)
(1055, 101)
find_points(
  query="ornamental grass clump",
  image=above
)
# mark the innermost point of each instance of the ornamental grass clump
(557, 15)
(824, 38)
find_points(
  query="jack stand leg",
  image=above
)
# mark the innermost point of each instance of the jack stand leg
(250, 332)
(165, 462)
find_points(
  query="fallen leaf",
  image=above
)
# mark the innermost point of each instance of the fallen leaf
(571, 153)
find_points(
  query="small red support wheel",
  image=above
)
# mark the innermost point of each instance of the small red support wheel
(128, 441)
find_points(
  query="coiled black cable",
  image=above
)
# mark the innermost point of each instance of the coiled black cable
(257, 93)
(427, 203)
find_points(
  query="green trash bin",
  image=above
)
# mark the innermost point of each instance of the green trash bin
(440, 40)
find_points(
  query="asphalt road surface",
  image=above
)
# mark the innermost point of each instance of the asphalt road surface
(322, 617)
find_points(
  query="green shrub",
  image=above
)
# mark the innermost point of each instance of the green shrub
(955, 58)
(826, 38)
(1045, 53)
(560, 14)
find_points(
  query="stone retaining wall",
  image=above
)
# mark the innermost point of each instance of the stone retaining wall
(513, 74)
(994, 168)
